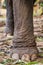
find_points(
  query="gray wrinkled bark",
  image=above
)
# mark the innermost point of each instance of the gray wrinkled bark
(22, 25)
(23, 19)
(10, 19)
(23, 30)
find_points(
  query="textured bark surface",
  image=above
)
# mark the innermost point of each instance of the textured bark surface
(10, 19)
(23, 19)
(23, 40)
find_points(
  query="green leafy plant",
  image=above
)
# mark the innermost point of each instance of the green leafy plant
(30, 63)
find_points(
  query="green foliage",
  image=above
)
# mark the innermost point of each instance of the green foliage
(41, 4)
(41, 54)
(18, 62)
(30, 63)
(39, 39)
(11, 62)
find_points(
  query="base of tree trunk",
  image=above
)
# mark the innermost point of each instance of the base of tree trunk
(25, 53)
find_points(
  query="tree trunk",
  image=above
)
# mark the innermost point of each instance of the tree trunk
(10, 19)
(23, 41)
